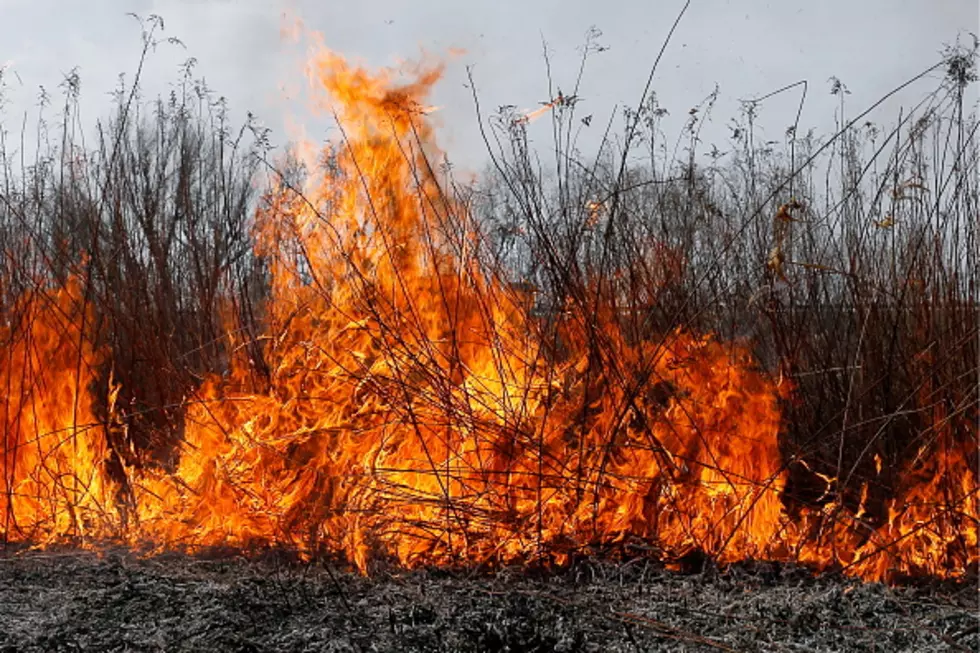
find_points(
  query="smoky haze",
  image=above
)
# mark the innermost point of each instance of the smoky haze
(244, 51)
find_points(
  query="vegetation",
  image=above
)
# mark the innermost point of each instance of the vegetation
(847, 264)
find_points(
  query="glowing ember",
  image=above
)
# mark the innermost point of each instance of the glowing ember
(415, 410)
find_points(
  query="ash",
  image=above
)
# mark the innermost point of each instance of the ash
(117, 601)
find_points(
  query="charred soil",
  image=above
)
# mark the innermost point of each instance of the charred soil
(116, 601)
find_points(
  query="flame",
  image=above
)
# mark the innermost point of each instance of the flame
(534, 114)
(54, 447)
(415, 410)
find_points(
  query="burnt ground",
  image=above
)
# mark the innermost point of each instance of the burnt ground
(70, 601)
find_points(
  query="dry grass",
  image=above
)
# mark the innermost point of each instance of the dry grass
(848, 263)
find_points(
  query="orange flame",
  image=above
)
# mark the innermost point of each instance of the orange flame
(534, 114)
(414, 411)
(53, 446)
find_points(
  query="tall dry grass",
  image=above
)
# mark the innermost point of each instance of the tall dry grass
(848, 262)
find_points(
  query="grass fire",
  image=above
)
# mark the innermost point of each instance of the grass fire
(365, 359)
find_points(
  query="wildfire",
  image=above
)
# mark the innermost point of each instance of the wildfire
(414, 411)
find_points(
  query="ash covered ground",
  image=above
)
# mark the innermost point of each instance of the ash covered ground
(117, 601)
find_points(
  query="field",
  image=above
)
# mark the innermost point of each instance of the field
(633, 356)
(70, 601)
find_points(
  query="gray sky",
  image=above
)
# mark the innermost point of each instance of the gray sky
(748, 47)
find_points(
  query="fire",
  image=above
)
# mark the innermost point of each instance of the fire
(416, 411)
(53, 446)
(534, 114)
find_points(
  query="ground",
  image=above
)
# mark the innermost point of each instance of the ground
(117, 601)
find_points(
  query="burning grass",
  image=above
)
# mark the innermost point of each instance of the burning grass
(368, 366)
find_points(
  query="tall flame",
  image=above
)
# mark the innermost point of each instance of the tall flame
(53, 445)
(415, 410)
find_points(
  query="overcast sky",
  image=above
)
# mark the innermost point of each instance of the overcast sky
(747, 47)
